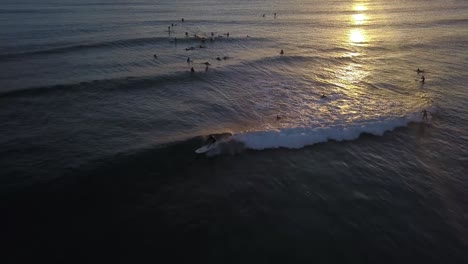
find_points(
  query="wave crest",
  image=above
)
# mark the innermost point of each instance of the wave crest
(295, 138)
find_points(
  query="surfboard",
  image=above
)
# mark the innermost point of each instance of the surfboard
(204, 149)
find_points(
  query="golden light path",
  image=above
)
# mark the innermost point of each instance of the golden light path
(351, 75)
(357, 36)
(359, 7)
(359, 19)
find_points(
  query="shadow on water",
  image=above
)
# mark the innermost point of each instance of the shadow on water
(91, 210)
(260, 206)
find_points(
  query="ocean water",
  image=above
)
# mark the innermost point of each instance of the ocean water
(97, 136)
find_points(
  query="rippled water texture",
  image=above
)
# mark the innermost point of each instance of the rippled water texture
(322, 152)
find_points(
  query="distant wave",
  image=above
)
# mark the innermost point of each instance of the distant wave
(80, 47)
(294, 59)
(449, 22)
(36, 11)
(143, 82)
(122, 43)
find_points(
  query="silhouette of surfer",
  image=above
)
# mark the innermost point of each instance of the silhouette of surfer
(423, 79)
(281, 52)
(210, 141)
(192, 70)
(424, 113)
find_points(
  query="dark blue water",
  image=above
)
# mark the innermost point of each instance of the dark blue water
(98, 137)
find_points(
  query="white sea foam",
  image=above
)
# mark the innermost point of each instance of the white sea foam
(304, 136)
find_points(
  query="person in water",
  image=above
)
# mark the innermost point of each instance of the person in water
(211, 140)
(192, 70)
(424, 113)
(281, 52)
(155, 56)
(188, 60)
(423, 79)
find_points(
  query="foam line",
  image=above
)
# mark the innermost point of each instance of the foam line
(295, 138)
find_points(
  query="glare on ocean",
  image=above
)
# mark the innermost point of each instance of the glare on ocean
(359, 19)
(359, 7)
(357, 36)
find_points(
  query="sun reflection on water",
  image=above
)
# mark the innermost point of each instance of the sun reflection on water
(359, 7)
(357, 36)
(351, 73)
(359, 19)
